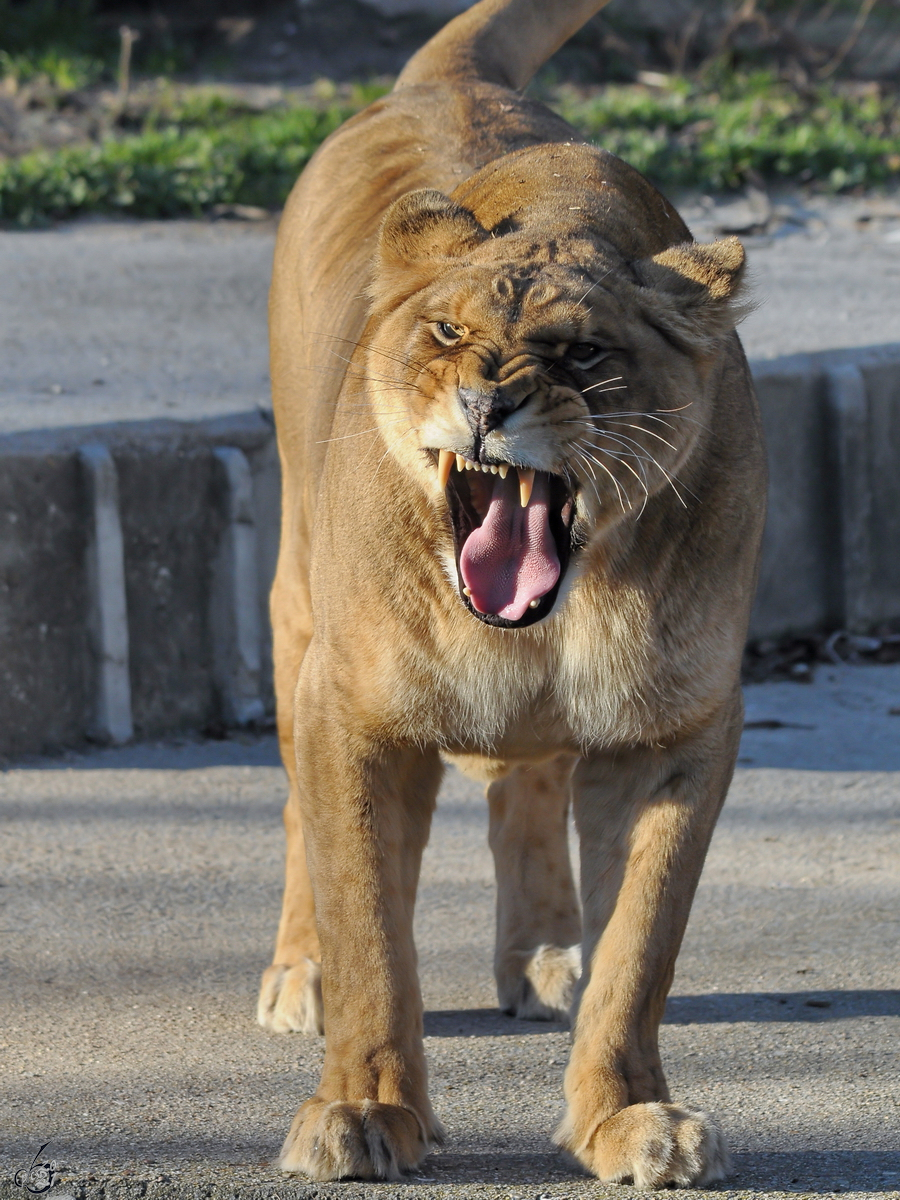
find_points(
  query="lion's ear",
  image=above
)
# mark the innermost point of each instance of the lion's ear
(420, 230)
(692, 291)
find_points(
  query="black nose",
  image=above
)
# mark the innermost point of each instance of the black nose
(485, 410)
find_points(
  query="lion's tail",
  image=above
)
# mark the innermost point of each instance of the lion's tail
(498, 41)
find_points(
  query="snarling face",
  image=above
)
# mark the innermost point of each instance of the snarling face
(539, 389)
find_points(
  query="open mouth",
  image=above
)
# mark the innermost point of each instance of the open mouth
(512, 537)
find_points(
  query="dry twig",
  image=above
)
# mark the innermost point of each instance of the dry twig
(850, 41)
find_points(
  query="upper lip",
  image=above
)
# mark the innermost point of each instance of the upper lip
(446, 459)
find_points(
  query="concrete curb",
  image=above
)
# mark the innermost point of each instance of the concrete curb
(134, 574)
(108, 606)
(832, 424)
(138, 556)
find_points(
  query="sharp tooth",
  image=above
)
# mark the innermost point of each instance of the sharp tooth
(445, 466)
(460, 463)
(503, 470)
(467, 591)
(526, 483)
(533, 603)
(470, 466)
(493, 470)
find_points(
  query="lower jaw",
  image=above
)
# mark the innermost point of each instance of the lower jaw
(531, 616)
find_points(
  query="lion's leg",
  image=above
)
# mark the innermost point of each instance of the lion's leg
(644, 819)
(536, 960)
(290, 996)
(367, 810)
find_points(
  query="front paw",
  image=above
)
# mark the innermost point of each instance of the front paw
(290, 998)
(356, 1140)
(651, 1145)
(538, 985)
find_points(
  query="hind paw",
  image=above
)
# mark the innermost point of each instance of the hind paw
(541, 983)
(290, 998)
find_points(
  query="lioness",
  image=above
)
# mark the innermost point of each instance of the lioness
(523, 496)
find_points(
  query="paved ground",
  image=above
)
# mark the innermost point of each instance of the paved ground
(103, 321)
(141, 889)
(123, 321)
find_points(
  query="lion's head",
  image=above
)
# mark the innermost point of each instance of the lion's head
(535, 379)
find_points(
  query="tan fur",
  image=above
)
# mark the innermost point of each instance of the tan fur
(650, 1145)
(290, 998)
(538, 919)
(456, 200)
(549, 976)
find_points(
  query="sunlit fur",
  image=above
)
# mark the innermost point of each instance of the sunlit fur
(457, 235)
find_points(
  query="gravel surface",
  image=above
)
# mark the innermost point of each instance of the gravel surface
(141, 890)
(113, 321)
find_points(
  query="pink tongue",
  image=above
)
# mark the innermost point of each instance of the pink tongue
(511, 559)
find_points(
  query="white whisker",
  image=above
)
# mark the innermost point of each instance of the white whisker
(356, 375)
(395, 442)
(623, 440)
(612, 477)
(648, 457)
(375, 428)
(603, 382)
(613, 415)
(649, 433)
(594, 484)
(404, 362)
(593, 285)
(398, 383)
(641, 481)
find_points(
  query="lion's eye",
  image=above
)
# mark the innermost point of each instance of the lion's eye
(586, 354)
(447, 333)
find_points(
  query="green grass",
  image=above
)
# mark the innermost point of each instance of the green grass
(170, 171)
(62, 71)
(185, 157)
(716, 137)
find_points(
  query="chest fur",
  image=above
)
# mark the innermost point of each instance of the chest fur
(582, 679)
